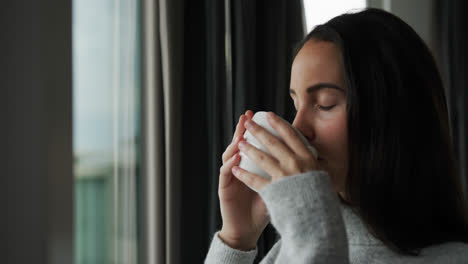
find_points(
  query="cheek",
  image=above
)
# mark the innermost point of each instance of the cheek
(334, 139)
(334, 135)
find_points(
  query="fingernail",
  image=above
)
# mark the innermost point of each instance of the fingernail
(270, 115)
(248, 124)
(234, 157)
(242, 145)
(235, 170)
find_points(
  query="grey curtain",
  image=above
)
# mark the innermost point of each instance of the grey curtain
(206, 62)
(453, 40)
(163, 48)
(262, 36)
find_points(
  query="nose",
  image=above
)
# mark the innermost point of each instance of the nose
(304, 124)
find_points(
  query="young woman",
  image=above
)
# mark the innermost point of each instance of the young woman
(384, 187)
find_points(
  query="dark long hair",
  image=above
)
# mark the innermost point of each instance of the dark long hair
(403, 179)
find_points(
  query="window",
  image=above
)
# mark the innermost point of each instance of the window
(319, 12)
(106, 130)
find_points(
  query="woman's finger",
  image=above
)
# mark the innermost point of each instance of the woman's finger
(225, 173)
(274, 145)
(268, 163)
(231, 149)
(240, 129)
(289, 135)
(250, 179)
(249, 114)
(239, 132)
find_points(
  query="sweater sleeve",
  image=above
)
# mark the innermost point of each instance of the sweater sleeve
(219, 252)
(306, 213)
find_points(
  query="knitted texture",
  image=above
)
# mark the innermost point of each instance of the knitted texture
(316, 228)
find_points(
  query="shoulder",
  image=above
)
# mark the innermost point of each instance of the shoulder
(447, 253)
(450, 252)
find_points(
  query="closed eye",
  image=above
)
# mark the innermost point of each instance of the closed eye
(325, 108)
(320, 107)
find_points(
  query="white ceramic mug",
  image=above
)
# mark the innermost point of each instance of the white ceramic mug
(247, 164)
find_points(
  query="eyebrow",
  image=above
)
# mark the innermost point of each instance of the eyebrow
(319, 86)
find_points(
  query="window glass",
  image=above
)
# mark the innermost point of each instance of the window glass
(106, 130)
(319, 12)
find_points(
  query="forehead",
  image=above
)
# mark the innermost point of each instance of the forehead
(317, 61)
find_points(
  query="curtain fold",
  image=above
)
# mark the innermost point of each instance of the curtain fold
(153, 137)
(206, 62)
(219, 111)
(171, 29)
(163, 22)
(264, 34)
(453, 40)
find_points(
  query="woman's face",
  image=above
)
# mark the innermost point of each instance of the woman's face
(319, 94)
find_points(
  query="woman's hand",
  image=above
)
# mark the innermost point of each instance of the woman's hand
(286, 159)
(244, 214)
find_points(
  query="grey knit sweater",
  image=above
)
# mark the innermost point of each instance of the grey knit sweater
(316, 228)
